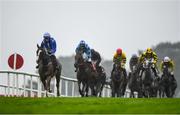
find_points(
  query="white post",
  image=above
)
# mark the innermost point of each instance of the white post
(66, 88)
(13, 84)
(103, 92)
(17, 85)
(60, 85)
(8, 85)
(73, 88)
(5, 90)
(108, 93)
(24, 86)
(39, 87)
(14, 68)
(31, 87)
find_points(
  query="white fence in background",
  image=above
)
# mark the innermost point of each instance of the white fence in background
(29, 85)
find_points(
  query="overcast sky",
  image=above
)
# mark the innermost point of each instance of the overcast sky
(104, 24)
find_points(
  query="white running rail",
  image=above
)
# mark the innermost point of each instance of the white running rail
(29, 85)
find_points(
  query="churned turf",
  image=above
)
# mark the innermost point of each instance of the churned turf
(89, 105)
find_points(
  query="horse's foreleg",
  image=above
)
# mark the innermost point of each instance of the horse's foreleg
(113, 90)
(57, 84)
(87, 90)
(100, 93)
(48, 84)
(79, 86)
(44, 84)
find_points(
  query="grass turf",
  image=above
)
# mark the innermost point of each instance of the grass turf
(89, 105)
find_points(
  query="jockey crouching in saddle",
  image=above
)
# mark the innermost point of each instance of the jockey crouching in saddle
(120, 58)
(167, 62)
(134, 61)
(96, 60)
(149, 54)
(133, 64)
(86, 52)
(49, 44)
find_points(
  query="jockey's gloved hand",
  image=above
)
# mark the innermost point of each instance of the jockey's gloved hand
(49, 51)
(122, 65)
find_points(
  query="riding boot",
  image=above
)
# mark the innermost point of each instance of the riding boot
(112, 70)
(125, 73)
(155, 72)
(173, 79)
(54, 61)
(75, 65)
(140, 73)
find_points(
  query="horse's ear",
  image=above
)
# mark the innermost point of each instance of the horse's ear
(38, 46)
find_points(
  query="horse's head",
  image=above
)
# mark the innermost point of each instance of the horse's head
(147, 63)
(42, 55)
(117, 73)
(166, 72)
(79, 58)
(117, 66)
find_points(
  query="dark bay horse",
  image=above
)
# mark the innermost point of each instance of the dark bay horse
(147, 78)
(87, 77)
(82, 73)
(47, 70)
(168, 85)
(117, 81)
(101, 80)
(134, 82)
(97, 81)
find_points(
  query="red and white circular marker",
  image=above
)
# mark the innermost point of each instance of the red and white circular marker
(15, 61)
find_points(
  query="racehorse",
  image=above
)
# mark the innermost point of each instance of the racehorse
(100, 81)
(47, 70)
(82, 75)
(134, 82)
(168, 85)
(147, 77)
(117, 81)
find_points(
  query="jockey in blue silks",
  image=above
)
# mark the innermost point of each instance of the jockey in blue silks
(49, 44)
(86, 51)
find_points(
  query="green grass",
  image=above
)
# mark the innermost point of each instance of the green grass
(89, 105)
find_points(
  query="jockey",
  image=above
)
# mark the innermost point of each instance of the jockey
(96, 58)
(86, 51)
(133, 61)
(149, 54)
(49, 44)
(120, 58)
(169, 63)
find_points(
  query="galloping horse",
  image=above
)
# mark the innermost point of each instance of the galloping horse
(97, 81)
(168, 86)
(47, 70)
(87, 77)
(147, 78)
(100, 81)
(117, 81)
(82, 73)
(134, 82)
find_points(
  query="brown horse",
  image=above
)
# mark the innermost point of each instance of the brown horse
(118, 81)
(82, 75)
(47, 70)
(168, 85)
(87, 77)
(134, 82)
